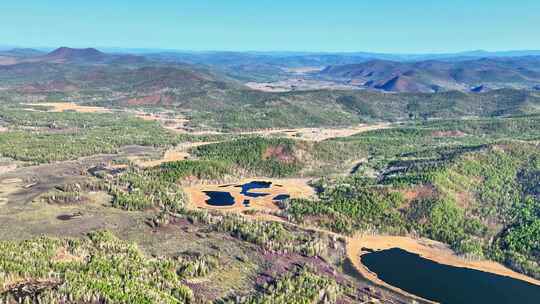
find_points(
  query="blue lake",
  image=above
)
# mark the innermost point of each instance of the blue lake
(447, 284)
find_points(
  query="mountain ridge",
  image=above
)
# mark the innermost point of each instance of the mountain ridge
(436, 75)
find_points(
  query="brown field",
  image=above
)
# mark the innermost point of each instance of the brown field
(69, 106)
(177, 153)
(320, 134)
(169, 156)
(296, 188)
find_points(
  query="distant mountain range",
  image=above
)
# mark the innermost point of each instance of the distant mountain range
(211, 88)
(435, 75)
(291, 59)
(69, 68)
(467, 71)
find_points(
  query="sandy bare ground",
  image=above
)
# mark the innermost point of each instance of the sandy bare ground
(169, 156)
(69, 106)
(426, 248)
(180, 152)
(296, 188)
(320, 134)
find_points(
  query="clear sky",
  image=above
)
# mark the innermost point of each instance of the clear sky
(397, 26)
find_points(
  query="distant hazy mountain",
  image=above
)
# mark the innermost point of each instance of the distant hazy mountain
(21, 52)
(67, 55)
(470, 87)
(322, 58)
(271, 66)
(205, 78)
(476, 75)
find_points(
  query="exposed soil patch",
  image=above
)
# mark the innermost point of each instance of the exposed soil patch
(464, 199)
(280, 153)
(169, 156)
(419, 193)
(177, 153)
(320, 134)
(69, 106)
(264, 200)
(454, 133)
(64, 256)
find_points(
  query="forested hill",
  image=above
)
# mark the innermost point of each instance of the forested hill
(435, 75)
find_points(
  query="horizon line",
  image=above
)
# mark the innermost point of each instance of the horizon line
(159, 49)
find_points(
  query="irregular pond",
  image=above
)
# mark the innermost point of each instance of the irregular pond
(254, 185)
(219, 198)
(447, 284)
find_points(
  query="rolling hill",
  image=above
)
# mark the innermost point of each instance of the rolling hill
(434, 76)
(419, 90)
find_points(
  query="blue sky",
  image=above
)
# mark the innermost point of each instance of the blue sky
(397, 26)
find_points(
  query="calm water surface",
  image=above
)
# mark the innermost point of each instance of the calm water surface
(447, 284)
(219, 198)
(254, 185)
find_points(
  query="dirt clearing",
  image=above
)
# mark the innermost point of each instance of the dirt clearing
(180, 152)
(69, 106)
(295, 188)
(320, 134)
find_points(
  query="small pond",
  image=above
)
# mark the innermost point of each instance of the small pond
(219, 198)
(222, 196)
(254, 185)
(447, 284)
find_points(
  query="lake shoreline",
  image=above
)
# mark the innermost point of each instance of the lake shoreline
(425, 248)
